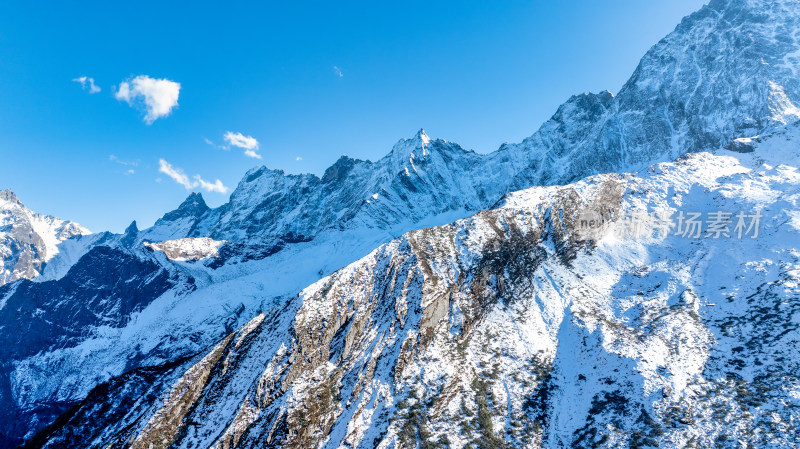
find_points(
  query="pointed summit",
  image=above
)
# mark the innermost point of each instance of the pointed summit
(406, 150)
(132, 228)
(193, 206)
(130, 235)
(421, 136)
(8, 195)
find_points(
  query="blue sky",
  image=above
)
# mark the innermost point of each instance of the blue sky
(308, 81)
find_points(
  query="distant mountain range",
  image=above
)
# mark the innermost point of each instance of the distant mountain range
(442, 298)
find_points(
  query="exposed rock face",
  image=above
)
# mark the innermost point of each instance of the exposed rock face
(725, 78)
(28, 239)
(508, 329)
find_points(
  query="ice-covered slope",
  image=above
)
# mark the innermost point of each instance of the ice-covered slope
(29, 239)
(725, 75)
(522, 326)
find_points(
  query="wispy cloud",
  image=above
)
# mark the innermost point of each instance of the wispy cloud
(298, 158)
(211, 142)
(176, 174)
(130, 171)
(156, 97)
(119, 161)
(188, 183)
(87, 83)
(248, 143)
(337, 71)
(216, 186)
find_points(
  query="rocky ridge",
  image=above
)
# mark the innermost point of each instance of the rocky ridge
(28, 239)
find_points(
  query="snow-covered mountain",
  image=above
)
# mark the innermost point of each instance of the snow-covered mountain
(120, 319)
(730, 71)
(29, 239)
(522, 326)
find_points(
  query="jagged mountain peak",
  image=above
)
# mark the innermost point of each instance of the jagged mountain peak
(130, 235)
(179, 222)
(727, 71)
(587, 107)
(269, 204)
(132, 228)
(732, 66)
(408, 149)
(8, 196)
(422, 136)
(340, 169)
(194, 203)
(28, 239)
(193, 206)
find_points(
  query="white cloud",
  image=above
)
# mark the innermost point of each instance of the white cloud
(241, 141)
(130, 171)
(156, 96)
(216, 186)
(298, 158)
(176, 174)
(87, 84)
(251, 153)
(183, 179)
(248, 143)
(337, 71)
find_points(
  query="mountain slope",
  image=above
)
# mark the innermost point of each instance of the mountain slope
(521, 326)
(28, 239)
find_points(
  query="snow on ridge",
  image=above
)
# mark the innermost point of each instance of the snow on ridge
(188, 249)
(29, 239)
